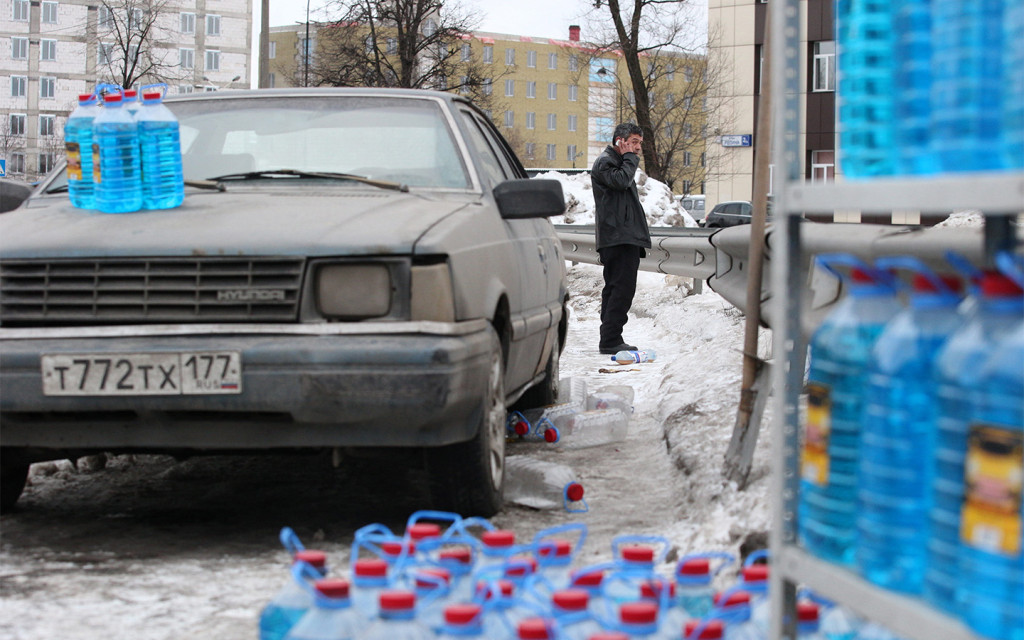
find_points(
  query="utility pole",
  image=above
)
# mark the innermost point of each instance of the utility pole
(264, 77)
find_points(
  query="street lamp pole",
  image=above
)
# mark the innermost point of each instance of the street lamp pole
(305, 53)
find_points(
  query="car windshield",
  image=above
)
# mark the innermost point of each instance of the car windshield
(401, 140)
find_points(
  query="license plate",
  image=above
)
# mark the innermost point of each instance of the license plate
(143, 374)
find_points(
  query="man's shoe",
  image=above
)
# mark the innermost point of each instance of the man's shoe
(611, 351)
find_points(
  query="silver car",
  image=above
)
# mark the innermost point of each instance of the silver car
(351, 268)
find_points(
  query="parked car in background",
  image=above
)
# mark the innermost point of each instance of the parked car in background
(351, 269)
(694, 205)
(729, 214)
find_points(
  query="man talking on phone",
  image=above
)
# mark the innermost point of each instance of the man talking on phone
(622, 233)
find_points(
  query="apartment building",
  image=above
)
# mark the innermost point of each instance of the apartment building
(53, 50)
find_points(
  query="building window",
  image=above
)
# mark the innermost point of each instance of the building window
(186, 88)
(824, 66)
(50, 12)
(687, 131)
(17, 121)
(687, 159)
(531, 120)
(570, 154)
(105, 53)
(213, 25)
(603, 129)
(188, 22)
(369, 45)
(574, 63)
(273, 50)
(187, 58)
(46, 162)
(46, 125)
(670, 72)
(670, 131)
(531, 149)
(272, 79)
(466, 52)
(531, 89)
(510, 88)
(488, 53)
(823, 166)
(688, 73)
(212, 60)
(464, 84)
(17, 164)
(574, 93)
(552, 91)
(392, 46)
(487, 86)
(136, 18)
(47, 87)
(551, 152)
(531, 59)
(21, 10)
(552, 121)
(572, 122)
(704, 159)
(510, 118)
(670, 100)
(19, 86)
(104, 19)
(47, 50)
(19, 48)
(510, 56)
(552, 61)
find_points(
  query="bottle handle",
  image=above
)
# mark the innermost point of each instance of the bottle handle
(291, 541)
(368, 537)
(1012, 266)
(444, 516)
(476, 521)
(305, 575)
(915, 265)
(760, 554)
(578, 527)
(157, 85)
(833, 262)
(964, 266)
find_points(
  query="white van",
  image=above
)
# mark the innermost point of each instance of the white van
(694, 206)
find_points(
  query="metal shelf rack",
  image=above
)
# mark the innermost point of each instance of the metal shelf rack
(999, 195)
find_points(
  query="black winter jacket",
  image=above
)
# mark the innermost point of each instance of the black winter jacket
(620, 217)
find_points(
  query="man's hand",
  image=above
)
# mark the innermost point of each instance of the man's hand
(632, 144)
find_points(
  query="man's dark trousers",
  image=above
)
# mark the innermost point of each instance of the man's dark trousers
(621, 263)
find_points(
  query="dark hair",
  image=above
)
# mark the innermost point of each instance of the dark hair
(625, 130)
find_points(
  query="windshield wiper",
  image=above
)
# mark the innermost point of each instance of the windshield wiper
(326, 175)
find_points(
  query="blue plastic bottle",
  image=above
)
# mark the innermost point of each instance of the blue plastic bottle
(462, 621)
(733, 608)
(912, 57)
(332, 616)
(1013, 85)
(839, 352)
(866, 88)
(570, 608)
(396, 619)
(694, 590)
(807, 622)
(163, 183)
(999, 308)
(458, 562)
(639, 620)
(432, 595)
(898, 433)
(131, 101)
(991, 585)
(967, 87)
(369, 581)
(634, 567)
(293, 600)
(78, 145)
(116, 167)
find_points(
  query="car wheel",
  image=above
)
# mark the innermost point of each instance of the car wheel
(468, 477)
(546, 392)
(13, 475)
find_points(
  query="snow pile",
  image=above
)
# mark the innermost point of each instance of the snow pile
(657, 199)
(972, 218)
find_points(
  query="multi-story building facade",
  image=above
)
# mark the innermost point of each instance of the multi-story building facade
(556, 101)
(53, 50)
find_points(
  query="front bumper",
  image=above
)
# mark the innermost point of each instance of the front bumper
(354, 384)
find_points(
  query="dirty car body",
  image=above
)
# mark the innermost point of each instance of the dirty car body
(351, 268)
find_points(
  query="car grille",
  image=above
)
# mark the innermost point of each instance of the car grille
(149, 291)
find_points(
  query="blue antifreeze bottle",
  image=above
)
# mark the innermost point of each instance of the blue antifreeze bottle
(115, 150)
(78, 146)
(898, 431)
(332, 616)
(991, 584)
(998, 310)
(293, 600)
(912, 102)
(1013, 98)
(163, 182)
(839, 353)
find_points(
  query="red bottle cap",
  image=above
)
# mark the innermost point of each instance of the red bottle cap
(557, 548)
(574, 492)
(609, 635)
(571, 599)
(756, 573)
(735, 598)
(712, 630)
(394, 549)
(995, 284)
(130, 93)
(397, 600)
(151, 95)
(432, 578)
(638, 554)
(462, 613)
(333, 587)
(506, 587)
(111, 98)
(638, 612)
(533, 629)
(696, 567)
(461, 555)
(498, 538)
(85, 97)
(550, 435)
(521, 566)
(807, 612)
(318, 559)
(423, 530)
(653, 590)
(587, 579)
(371, 568)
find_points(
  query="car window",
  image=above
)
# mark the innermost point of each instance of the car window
(402, 140)
(732, 208)
(490, 164)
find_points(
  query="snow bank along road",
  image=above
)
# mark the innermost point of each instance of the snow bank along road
(152, 548)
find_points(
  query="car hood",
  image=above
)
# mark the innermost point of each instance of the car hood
(272, 221)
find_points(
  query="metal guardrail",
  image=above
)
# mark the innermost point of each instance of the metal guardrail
(720, 256)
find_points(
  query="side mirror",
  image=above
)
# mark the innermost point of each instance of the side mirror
(529, 198)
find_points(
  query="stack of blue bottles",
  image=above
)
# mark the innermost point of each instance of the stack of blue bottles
(462, 621)
(967, 85)
(293, 600)
(998, 310)
(331, 617)
(839, 353)
(396, 619)
(1013, 85)
(866, 88)
(78, 145)
(912, 59)
(898, 432)
(163, 183)
(116, 166)
(991, 584)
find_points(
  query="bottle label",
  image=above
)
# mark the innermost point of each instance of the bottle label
(814, 465)
(96, 163)
(993, 479)
(74, 154)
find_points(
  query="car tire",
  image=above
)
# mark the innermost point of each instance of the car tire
(468, 478)
(546, 392)
(13, 476)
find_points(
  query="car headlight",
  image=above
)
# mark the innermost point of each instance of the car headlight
(432, 297)
(354, 291)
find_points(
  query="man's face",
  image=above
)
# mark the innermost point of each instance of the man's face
(631, 144)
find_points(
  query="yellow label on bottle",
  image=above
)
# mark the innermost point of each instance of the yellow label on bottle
(814, 464)
(993, 478)
(74, 155)
(96, 173)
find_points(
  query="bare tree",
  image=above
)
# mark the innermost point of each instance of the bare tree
(416, 44)
(10, 140)
(128, 35)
